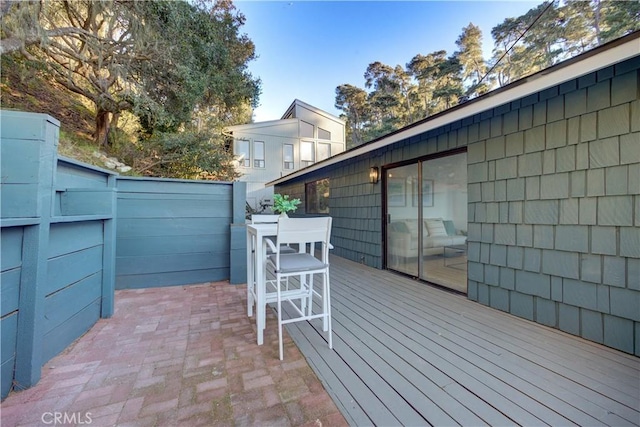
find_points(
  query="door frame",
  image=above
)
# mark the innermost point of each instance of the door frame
(385, 213)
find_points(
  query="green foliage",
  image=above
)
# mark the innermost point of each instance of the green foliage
(188, 154)
(618, 18)
(353, 101)
(282, 204)
(76, 147)
(204, 65)
(176, 65)
(553, 31)
(470, 58)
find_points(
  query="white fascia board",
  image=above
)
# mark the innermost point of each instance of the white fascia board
(540, 81)
(268, 123)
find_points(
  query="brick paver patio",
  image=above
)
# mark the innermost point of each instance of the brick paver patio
(176, 356)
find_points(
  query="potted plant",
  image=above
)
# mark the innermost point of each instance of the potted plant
(282, 204)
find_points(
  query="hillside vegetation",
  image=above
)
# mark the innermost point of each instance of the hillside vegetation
(27, 90)
(153, 83)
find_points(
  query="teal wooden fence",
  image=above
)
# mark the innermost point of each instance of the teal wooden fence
(58, 246)
(71, 232)
(80, 255)
(174, 232)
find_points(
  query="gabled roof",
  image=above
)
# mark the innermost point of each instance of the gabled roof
(268, 123)
(598, 58)
(312, 108)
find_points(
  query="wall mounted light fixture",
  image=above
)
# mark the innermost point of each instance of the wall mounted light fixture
(374, 174)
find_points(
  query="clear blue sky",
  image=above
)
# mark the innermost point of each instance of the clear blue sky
(307, 48)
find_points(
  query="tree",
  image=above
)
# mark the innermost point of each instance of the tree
(353, 101)
(580, 27)
(506, 61)
(449, 82)
(158, 59)
(424, 70)
(546, 34)
(438, 79)
(390, 100)
(618, 18)
(406, 90)
(470, 57)
(542, 41)
(555, 31)
(189, 154)
(527, 44)
(383, 99)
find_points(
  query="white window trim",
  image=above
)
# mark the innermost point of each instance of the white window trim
(264, 153)
(304, 161)
(242, 163)
(293, 157)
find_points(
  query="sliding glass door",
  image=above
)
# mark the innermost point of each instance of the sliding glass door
(402, 220)
(444, 215)
(426, 207)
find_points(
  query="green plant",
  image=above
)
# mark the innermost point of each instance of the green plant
(282, 204)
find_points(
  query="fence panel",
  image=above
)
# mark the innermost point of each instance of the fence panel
(73, 292)
(10, 271)
(172, 232)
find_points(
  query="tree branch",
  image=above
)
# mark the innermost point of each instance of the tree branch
(13, 44)
(159, 162)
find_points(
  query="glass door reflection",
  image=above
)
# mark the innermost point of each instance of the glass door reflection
(444, 215)
(402, 220)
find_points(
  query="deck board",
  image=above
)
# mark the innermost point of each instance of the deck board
(610, 388)
(564, 362)
(456, 361)
(334, 376)
(406, 353)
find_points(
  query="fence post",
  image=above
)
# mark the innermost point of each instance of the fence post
(31, 140)
(238, 244)
(109, 254)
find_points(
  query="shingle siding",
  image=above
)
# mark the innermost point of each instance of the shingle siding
(618, 333)
(576, 248)
(599, 96)
(591, 325)
(554, 204)
(499, 298)
(569, 318)
(546, 312)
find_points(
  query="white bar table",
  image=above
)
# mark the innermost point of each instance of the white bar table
(256, 280)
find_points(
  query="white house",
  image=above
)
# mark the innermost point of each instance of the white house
(269, 150)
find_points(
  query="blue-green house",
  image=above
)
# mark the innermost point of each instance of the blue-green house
(526, 199)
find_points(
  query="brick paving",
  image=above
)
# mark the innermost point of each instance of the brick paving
(176, 356)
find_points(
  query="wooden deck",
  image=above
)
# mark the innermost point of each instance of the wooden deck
(406, 353)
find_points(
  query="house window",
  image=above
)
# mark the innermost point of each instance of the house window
(307, 153)
(258, 154)
(242, 153)
(324, 151)
(324, 134)
(317, 197)
(287, 154)
(306, 130)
